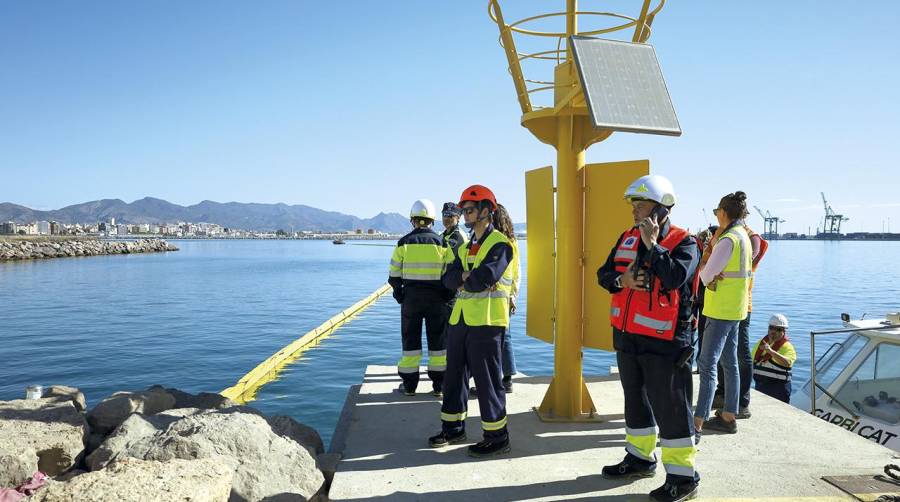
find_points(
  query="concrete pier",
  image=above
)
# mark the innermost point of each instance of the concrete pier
(781, 453)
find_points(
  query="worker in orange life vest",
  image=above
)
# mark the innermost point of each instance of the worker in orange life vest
(651, 275)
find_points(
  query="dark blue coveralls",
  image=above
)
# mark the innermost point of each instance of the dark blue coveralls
(475, 350)
(657, 390)
(422, 300)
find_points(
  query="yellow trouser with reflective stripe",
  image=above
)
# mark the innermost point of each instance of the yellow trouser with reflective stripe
(409, 361)
(641, 443)
(679, 455)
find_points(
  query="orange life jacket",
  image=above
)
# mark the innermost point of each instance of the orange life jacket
(763, 247)
(651, 313)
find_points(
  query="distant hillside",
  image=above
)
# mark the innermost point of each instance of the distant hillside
(259, 217)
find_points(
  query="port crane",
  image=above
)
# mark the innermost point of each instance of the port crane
(832, 225)
(770, 223)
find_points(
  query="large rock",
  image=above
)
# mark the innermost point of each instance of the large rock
(112, 411)
(203, 400)
(305, 435)
(63, 393)
(53, 431)
(266, 463)
(133, 480)
(17, 463)
(134, 429)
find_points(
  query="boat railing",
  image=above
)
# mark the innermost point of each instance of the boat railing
(886, 326)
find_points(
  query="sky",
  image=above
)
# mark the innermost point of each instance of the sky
(363, 106)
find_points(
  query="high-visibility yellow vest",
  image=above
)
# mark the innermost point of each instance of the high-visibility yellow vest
(516, 268)
(730, 300)
(491, 306)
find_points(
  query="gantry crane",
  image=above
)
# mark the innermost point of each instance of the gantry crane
(832, 224)
(770, 224)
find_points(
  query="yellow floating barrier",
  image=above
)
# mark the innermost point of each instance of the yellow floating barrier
(246, 388)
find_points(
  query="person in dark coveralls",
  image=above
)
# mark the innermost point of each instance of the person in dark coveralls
(415, 276)
(651, 275)
(481, 274)
(453, 236)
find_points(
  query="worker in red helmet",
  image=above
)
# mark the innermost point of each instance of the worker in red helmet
(480, 271)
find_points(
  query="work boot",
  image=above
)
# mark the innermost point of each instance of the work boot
(718, 423)
(507, 384)
(628, 469)
(437, 393)
(742, 414)
(673, 493)
(473, 392)
(489, 448)
(406, 392)
(442, 439)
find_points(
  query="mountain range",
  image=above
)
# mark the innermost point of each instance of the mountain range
(245, 216)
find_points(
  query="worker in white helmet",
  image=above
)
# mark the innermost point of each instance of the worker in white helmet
(415, 275)
(773, 358)
(651, 274)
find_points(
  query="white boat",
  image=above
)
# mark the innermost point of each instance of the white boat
(856, 383)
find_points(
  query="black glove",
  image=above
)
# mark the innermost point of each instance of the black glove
(398, 295)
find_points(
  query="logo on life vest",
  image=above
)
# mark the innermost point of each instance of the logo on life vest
(629, 242)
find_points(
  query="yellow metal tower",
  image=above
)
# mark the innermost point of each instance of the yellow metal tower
(564, 253)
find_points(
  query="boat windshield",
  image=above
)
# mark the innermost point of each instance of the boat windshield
(836, 361)
(874, 388)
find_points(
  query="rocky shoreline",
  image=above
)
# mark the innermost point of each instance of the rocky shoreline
(28, 249)
(158, 444)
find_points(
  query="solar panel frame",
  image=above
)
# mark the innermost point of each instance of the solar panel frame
(624, 86)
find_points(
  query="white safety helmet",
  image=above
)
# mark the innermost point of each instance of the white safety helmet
(652, 187)
(423, 208)
(778, 321)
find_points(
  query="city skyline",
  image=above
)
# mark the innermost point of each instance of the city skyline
(278, 103)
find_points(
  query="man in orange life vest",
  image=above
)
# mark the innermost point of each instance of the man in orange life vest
(651, 275)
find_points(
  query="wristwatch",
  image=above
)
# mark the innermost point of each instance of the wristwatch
(618, 282)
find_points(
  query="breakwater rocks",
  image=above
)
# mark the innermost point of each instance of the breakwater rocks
(158, 444)
(31, 249)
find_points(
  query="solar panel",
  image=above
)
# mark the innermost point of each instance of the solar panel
(624, 86)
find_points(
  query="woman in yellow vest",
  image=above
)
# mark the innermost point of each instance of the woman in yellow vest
(726, 275)
(481, 274)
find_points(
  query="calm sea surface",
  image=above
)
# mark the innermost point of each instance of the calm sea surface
(200, 318)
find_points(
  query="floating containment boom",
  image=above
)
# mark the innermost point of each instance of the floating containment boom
(245, 389)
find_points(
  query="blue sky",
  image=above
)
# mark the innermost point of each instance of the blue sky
(364, 106)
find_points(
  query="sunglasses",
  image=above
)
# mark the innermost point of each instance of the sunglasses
(776, 328)
(716, 211)
(470, 209)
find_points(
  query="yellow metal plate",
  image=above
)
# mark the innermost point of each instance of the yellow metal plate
(541, 243)
(606, 216)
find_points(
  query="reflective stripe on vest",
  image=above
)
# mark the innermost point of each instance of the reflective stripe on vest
(730, 299)
(647, 313)
(418, 262)
(491, 306)
(771, 370)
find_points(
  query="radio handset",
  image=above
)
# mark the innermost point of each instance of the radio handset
(661, 212)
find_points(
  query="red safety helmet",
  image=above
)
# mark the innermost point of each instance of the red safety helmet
(478, 193)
